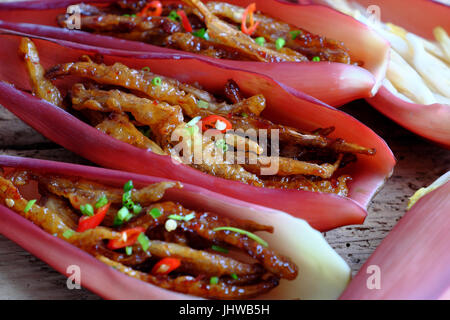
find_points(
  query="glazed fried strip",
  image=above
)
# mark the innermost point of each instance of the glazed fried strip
(203, 224)
(120, 127)
(60, 207)
(202, 262)
(120, 24)
(190, 43)
(271, 29)
(276, 264)
(226, 34)
(148, 222)
(49, 220)
(288, 167)
(40, 86)
(287, 133)
(170, 91)
(161, 117)
(82, 191)
(189, 285)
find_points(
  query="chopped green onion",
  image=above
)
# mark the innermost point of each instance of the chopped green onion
(126, 200)
(219, 249)
(234, 276)
(280, 43)
(68, 233)
(244, 115)
(103, 201)
(202, 33)
(155, 213)
(128, 186)
(146, 69)
(316, 59)
(87, 210)
(144, 241)
(156, 81)
(244, 232)
(137, 208)
(260, 40)
(202, 104)
(129, 250)
(117, 221)
(295, 34)
(133, 15)
(174, 16)
(124, 214)
(214, 280)
(29, 205)
(125, 15)
(182, 218)
(222, 145)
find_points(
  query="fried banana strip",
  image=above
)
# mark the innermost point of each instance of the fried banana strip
(170, 91)
(271, 29)
(288, 167)
(120, 127)
(122, 24)
(226, 34)
(189, 285)
(40, 86)
(161, 117)
(202, 262)
(49, 220)
(81, 192)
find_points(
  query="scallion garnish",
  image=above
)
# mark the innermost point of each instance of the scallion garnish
(129, 250)
(103, 201)
(294, 34)
(87, 210)
(260, 40)
(219, 249)
(137, 208)
(222, 145)
(316, 59)
(280, 43)
(202, 33)
(126, 200)
(147, 69)
(155, 213)
(234, 276)
(202, 104)
(123, 215)
(182, 218)
(29, 205)
(156, 81)
(244, 232)
(214, 280)
(128, 186)
(68, 233)
(174, 16)
(144, 241)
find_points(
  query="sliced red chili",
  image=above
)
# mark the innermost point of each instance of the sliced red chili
(210, 122)
(86, 223)
(166, 266)
(155, 8)
(249, 13)
(128, 238)
(185, 21)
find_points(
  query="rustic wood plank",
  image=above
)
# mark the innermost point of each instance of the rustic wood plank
(419, 163)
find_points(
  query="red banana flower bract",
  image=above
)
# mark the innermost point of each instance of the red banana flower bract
(333, 83)
(284, 105)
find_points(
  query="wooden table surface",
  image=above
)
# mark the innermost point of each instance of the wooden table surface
(22, 276)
